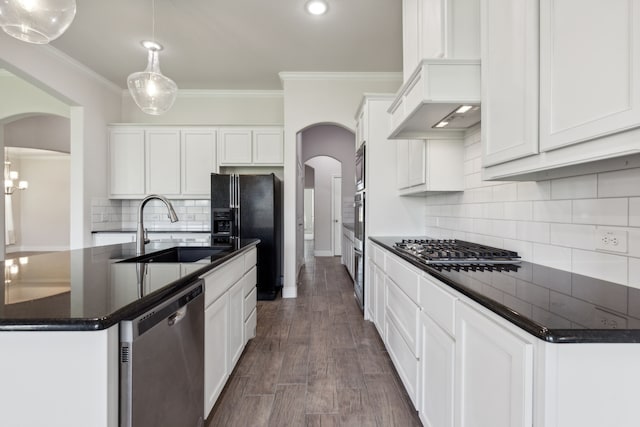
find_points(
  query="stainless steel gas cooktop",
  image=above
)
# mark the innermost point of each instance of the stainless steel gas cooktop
(453, 254)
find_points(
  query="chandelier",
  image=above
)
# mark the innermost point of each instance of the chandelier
(152, 91)
(10, 177)
(36, 21)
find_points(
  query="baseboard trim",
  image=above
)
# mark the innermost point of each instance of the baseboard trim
(289, 292)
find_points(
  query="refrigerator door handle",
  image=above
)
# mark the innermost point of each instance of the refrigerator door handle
(230, 191)
(238, 204)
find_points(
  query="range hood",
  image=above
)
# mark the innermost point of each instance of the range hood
(440, 99)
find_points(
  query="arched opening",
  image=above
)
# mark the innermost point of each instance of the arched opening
(330, 150)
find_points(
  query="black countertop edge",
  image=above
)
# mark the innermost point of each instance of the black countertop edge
(557, 336)
(128, 312)
(131, 230)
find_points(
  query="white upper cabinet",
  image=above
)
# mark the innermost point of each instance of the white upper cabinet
(126, 162)
(575, 109)
(162, 164)
(589, 69)
(198, 161)
(251, 146)
(509, 80)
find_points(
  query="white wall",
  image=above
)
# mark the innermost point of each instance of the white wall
(339, 143)
(42, 211)
(20, 97)
(325, 169)
(94, 103)
(45, 132)
(309, 99)
(214, 107)
(554, 222)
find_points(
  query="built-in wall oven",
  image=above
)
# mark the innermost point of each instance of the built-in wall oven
(358, 251)
(360, 165)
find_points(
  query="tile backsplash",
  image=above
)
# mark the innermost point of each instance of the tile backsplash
(557, 223)
(106, 214)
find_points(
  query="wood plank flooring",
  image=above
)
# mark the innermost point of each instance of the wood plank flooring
(314, 362)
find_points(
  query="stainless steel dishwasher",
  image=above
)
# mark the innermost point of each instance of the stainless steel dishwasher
(162, 363)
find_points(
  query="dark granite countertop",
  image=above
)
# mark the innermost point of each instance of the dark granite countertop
(554, 305)
(349, 226)
(88, 289)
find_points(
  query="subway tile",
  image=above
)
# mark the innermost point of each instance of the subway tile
(518, 305)
(533, 231)
(504, 229)
(574, 236)
(524, 249)
(505, 193)
(601, 211)
(483, 226)
(552, 256)
(599, 292)
(549, 319)
(520, 211)
(505, 283)
(600, 265)
(577, 187)
(633, 241)
(575, 310)
(534, 190)
(634, 211)
(495, 211)
(619, 183)
(473, 151)
(634, 274)
(552, 211)
(469, 167)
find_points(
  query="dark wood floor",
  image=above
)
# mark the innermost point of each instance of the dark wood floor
(314, 362)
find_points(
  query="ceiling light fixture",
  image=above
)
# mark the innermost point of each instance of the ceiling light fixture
(317, 7)
(10, 177)
(36, 21)
(152, 91)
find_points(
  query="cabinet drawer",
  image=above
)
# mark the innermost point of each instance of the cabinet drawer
(405, 314)
(250, 303)
(250, 259)
(404, 277)
(250, 280)
(221, 279)
(438, 304)
(250, 325)
(403, 359)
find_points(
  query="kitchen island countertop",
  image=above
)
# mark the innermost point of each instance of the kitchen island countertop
(89, 289)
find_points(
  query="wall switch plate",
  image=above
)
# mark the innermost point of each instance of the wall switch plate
(611, 239)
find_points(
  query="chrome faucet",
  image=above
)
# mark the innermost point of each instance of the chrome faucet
(141, 235)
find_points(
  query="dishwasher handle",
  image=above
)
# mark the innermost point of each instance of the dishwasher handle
(177, 316)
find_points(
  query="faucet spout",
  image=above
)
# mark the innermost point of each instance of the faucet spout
(141, 238)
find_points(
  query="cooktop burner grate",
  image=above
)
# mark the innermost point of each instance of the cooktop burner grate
(453, 254)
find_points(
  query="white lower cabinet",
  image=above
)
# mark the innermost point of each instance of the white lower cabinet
(493, 372)
(435, 375)
(403, 358)
(229, 294)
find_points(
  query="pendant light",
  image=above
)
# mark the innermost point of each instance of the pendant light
(152, 91)
(36, 21)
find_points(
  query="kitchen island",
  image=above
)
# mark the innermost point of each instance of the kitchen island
(59, 316)
(529, 346)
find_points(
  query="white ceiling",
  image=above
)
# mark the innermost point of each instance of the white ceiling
(235, 44)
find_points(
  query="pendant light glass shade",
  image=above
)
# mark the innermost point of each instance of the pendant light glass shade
(153, 92)
(36, 21)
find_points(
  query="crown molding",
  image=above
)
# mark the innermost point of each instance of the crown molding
(313, 75)
(213, 93)
(81, 67)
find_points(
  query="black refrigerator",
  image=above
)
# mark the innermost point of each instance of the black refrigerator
(250, 207)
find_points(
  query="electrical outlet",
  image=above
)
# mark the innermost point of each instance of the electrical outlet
(609, 239)
(605, 320)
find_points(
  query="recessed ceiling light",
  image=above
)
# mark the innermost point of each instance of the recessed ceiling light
(317, 7)
(441, 124)
(464, 108)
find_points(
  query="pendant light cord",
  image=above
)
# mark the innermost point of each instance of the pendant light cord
(153, 20)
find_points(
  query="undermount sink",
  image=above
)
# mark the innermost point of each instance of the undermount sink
(181, 254)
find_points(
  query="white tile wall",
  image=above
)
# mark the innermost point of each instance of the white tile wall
(194, 215)
(554, 222)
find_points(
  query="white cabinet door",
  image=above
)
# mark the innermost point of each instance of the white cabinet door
(493, 373)
(509, 80)
(236, 323)
(435, 381)
(417, 166)
(163, 161)
(216, 362)
(198, 161)
(410, 37)
(126, 162)
(589, 69)
(403, 358)
(268, 147)
(381, 301)
(402, 163)
(369, 294)
(235, 146)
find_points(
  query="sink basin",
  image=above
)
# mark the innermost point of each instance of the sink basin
(181, 254)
